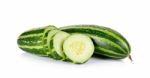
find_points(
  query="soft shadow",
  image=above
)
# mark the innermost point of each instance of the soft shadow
(42, 59)
(95, 60)
(104, 60)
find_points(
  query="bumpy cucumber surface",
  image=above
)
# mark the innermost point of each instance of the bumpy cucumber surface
(108, 42)
(78, 48)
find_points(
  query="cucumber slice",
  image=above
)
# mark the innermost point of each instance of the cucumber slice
(78, 48)
(55, 42)
(58, 43)
(52, 52)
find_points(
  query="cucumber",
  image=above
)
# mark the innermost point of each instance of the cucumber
(75, 43)
(108, 42)
(78, 48)
(58, 43)
(33, 41)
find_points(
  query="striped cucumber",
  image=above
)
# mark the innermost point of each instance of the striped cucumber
(108, 42)
(35, 40)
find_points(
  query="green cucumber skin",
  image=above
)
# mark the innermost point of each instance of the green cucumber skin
(35, 40)
(108, 42)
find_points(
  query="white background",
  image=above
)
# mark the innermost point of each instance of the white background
(130, 17)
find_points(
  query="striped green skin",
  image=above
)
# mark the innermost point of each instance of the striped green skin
(108, 42)
(35, 40)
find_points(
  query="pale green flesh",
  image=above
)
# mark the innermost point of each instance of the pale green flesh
(51, 34)
(78, 48)
(58, 42)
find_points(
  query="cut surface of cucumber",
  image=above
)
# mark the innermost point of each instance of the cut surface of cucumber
(58, 42)
(78, 48)
(52, 53)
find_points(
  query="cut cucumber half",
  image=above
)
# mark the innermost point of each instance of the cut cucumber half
(78, 48)
(58, 43)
